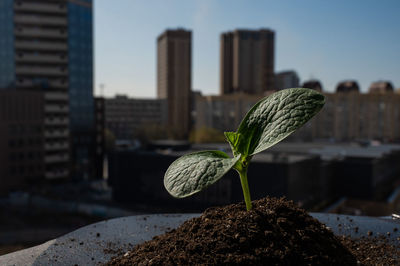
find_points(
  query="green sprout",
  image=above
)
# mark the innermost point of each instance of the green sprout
(269, 121)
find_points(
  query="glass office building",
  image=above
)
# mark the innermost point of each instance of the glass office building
(7, 64)
(80, 44)
(80, 50)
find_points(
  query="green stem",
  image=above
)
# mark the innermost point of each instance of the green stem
(245, 186)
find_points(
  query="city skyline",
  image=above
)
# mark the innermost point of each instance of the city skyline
(331, 42)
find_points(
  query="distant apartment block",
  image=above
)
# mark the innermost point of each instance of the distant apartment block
(355, 116)
(174, 82)
(22, 144)
(313, 84)
(125, 116)
(345, 116)
(286, 79)
(47, 46)
(247, 61)
(381, 87)
(224, 112)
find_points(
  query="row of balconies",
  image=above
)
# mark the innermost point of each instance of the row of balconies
(51, 108)
(35, 32)
(40, 45)
(56, 96)
(56, 134)
(41, 58)
(28, 83)
(56, 146)
(56, 158)
(41, 20)
(51, 8)
(56, 121)
(41, 70)
(57, 174)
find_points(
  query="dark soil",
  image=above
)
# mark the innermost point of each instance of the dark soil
(377, 250)
(274, 232)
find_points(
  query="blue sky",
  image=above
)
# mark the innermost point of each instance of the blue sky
(327, 40)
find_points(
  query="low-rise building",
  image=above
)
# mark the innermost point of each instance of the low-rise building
(124, 116)
(308, 173)
(290, 175)
(224, 112)
(354, 171)
(99, 147)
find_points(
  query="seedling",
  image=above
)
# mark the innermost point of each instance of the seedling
(269, 121)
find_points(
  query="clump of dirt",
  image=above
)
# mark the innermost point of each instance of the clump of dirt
(274, 232)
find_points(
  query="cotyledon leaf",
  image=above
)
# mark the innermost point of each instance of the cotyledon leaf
(233, 140)
(275, 117)
(193, 172)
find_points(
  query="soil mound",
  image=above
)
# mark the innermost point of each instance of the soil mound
(274, 232)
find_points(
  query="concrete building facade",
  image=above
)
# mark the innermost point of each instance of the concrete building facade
(125, 116)
(247, 61)
(174, 80)
(22, 145)
(35, 56)
(47, 46)
(286, 79)
(100, 125)
(224, 112)
(345, 116)
(356, 116)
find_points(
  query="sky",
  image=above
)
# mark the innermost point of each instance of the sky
(326, 40)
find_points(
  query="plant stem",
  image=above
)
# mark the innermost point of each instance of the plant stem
(245, 186)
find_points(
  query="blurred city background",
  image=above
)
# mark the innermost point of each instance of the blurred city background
(98, 97)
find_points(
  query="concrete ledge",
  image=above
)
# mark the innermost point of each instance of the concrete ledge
(97, 243)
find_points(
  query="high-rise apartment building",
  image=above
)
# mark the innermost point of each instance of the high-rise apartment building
(47, 46)
(247, 61)
(174, 66)
(286, 79)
